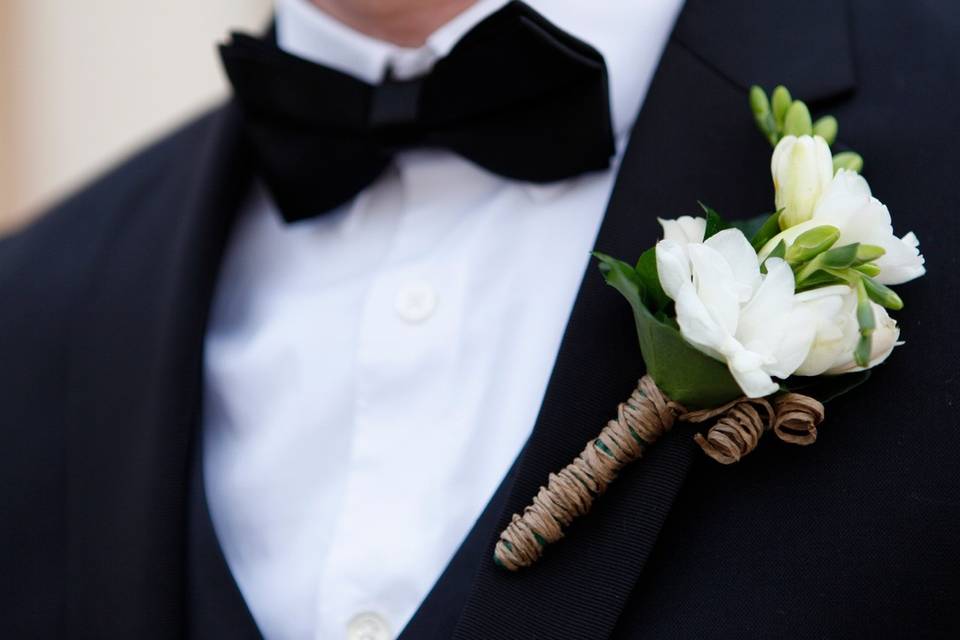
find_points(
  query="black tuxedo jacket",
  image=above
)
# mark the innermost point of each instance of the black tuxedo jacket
(103, 305)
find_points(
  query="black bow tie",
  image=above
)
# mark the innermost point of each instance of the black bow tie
(516, 96)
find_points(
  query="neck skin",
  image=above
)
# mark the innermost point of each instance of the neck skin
(406, 23)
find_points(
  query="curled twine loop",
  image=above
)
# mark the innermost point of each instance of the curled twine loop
(737, 431)
(641, 420)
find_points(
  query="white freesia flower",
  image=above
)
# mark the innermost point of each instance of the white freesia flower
(728, 310)
(680, 233)
(684, 230)
(801, 168)
(834, 310)
(835, 327)
(885, 337)
(848, 205)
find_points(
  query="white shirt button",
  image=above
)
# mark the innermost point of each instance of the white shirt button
(368, 626)
(416, 301)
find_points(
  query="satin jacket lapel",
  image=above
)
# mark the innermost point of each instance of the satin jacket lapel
(135, 387)
(694, 139)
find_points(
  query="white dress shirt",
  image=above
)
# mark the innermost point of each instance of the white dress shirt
(371, 374)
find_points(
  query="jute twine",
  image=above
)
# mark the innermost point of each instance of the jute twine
(640, 421)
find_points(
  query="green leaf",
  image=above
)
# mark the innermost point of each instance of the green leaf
(685, 374)
(715, 223)
(750, 226)
(766, 231)
(654, 297)
(622, 277)
(819, 279)
(778, 252)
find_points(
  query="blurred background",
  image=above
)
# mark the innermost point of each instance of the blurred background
(83, 83)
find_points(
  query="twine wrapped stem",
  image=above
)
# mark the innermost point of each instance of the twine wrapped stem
(640, 421)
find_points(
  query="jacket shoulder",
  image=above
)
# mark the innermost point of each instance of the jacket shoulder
(48, 276)
(45, 265)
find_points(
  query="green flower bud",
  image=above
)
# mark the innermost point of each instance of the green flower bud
(861, 355)
(760, 107)
(847, 160)
(781, 102)
(812, 243)
(797, 121)
(839, 258)
(758, 102)
(802, 169)
(868, 269)
(826, 127)
(868, 322)
(818, 280)
(882, 294)
(868, 253)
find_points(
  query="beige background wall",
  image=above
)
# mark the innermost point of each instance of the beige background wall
(83, 82)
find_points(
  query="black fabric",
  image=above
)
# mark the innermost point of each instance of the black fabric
(104, 307)
(516, 96)
(104, 310)
(213, 599)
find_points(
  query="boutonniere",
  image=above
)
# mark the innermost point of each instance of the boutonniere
(745, 326)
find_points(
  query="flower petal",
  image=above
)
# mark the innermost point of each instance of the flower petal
(802, 169)
(747, 370)
(833, 315)
(684, 229)
(843, 197)
(761, 321)
(885, 338)
(902, 262)
(795, 342)
(716, 285)
(673, 267)
(697, 325)
(742, 258)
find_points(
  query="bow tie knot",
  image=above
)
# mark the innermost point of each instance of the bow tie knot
(395, 112)
(516, 96)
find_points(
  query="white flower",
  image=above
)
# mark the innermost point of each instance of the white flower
(885, 338)
(834, 326)
(680, 234)
(834, 310)
(848, 205)
(728, 310)
(801, 168)
(684, 230)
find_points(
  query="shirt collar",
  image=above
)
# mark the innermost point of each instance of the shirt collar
(309, 33)
(630, 35)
